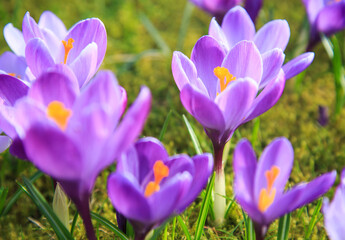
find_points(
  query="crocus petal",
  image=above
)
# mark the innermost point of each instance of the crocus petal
(313, 8)
(253, 7)
(331, 19)
(298, 64)
(244, 163)
(280, 154)
(272, 63)
(217, 33)
(11, 89)
(132, 123)
(50, 21)
(14, 39)
(17, 149)
(236, 100)
(52, 41)
(238, 26)
(202, 108)
(85, 32)
(203, 165)
(244, 60)
(30, 29)
(84, 66)
(274, 34)
(184, 72)
(4, 143)
(52, 152)
(268, 97)
(127, 197)
(54, 86)
(11, 63)
(251, 209)
(38, 56)
(207, 54)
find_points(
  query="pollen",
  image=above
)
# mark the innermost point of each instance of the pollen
(224, 76)
(68, 46)
(267, 195)
(56, 110)
(160, 171)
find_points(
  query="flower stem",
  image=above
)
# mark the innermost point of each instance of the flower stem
(84, 211)
(260, 231)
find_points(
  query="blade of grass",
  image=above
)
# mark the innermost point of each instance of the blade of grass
(187, 13)
(59, 229)
(314, 219)
(283, 229)
(232, 200)
(74, 221)
(184, 228)
(18, 193)
(204, 209)
(106, 223)
(165, 126)
(192, 135)
(3, 195)
(255, 132)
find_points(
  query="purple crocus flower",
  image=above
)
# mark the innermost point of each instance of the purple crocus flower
(325, 16)
(238, 26)
(73, 134)
(221, 89)
(218, 8)
(149, 186)
(334, 212)
(48, 43)
(260, 186)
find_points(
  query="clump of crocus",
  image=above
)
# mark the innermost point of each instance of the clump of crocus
(218, 8)
(72, 134)
(334, 212)
(325, 17)
(260, 186)
(149, 186)
(48, 43)
(273, 36)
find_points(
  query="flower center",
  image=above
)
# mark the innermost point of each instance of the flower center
(224, 76)
(68, 46)
(56, 110)
(160, 171)
(267, 195)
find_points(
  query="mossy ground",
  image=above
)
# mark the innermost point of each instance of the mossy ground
(317, 149)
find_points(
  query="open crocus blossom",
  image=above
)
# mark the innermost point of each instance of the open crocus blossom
(149, 186)
(238, 26)
(219, 8)
(325, 16)
(221, 89)
(334, 212)
(48, 43)
(260, 186)
(73, 134)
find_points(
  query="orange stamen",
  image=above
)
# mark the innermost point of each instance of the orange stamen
(68, 46)
(12, 74)
(160, 171)
(268, 194)
(56, 110)
(224, 77)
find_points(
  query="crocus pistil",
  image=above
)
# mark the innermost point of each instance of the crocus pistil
(56, 110)
(267, 195)
(68, 46)
(160, 171)
(224, 76)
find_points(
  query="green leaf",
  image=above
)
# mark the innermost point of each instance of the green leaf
(60, 230)
(3, 195)
(165, 126)
(106, 223)
(204, 209)
(314, 219)
(192, 135)
(184, 227)
(74, 221)
(284, 225)
(18, 193)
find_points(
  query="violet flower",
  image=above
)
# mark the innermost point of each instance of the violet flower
(221, 90)
(218, 8)
(149, 186)
(48, 43)
(325, 16)
(334, 212)
(260, 186)
(72, 135)
(238, 26)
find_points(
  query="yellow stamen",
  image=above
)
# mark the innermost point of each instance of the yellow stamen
(56, 110)
(268, 194)
(68, 46)
(224, 76)
(160, 171)
(12, 74)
